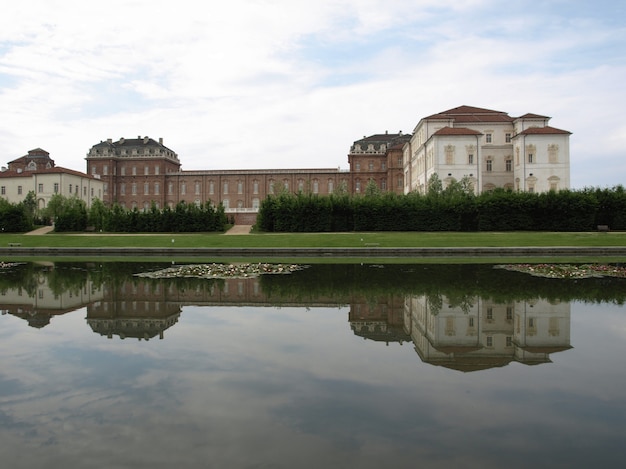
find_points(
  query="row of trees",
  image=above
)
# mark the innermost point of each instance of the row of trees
(17, 218)
(71, 214)
(183, 218)
(454, 208)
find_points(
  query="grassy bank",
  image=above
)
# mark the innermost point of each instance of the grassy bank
(296, 240)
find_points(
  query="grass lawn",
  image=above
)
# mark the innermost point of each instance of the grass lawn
(295, 240)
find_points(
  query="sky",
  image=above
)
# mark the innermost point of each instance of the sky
(262, 84)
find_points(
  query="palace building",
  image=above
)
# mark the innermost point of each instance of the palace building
(37, 173)
(489, 148)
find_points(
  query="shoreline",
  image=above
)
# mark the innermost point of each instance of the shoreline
(328, 253)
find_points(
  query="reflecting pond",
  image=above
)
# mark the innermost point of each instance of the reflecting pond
(330, 366)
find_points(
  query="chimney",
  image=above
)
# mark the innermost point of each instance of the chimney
(145, 140)
(160, 140)
(122, 141)
(109, 140)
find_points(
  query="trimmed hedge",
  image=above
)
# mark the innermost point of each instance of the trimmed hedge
(498, 210)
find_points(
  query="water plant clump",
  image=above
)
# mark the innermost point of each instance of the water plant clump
(215, 271)
(567, 271)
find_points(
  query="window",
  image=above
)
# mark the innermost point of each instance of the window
(239, 187)
(489, 341)
(530, 157)
(183, 188)
(146, 188)
(134, 171)
(146, 171)
(122, 189)
(105, 170)
(40, 188)
(170, 188)
(3, 190)
(470, 158)
(133, 189)
(509, 341)
(358, 166)
(225, 187)
(489, 166)
(383, 184)
(488, 138)
(105, 187)
(507, 137)
(371, 166)
(400, 161)
(316, 186)
(509, 165)
(509, 313)
(300, 185)
(123, 170)
(94, 169)
(255, 187)
(255, 203)
(157, 170)
(19, 190)
(383, 166)
(56, 188)
(471, 322)
(211, 187)
(271, 186)
(156, 188)
(197, 188)
(330, 186)
(358, 185)
(489, 313)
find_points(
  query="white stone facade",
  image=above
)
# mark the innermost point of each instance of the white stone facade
(490, 148)
(37, 173)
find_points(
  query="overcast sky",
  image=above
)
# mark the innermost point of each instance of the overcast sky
(259, 84)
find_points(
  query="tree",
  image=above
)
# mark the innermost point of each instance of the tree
(371, 190)
(30, 206)
(435, 186)
(97, 215)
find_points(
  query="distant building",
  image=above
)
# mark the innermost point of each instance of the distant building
(140, 172)
(490, 148)
(37, 172)
(378, 158)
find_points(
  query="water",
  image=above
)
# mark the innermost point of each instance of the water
(333, 366)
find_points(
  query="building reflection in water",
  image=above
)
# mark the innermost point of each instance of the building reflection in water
(480, 334)
(38, 300)
(469, 334)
